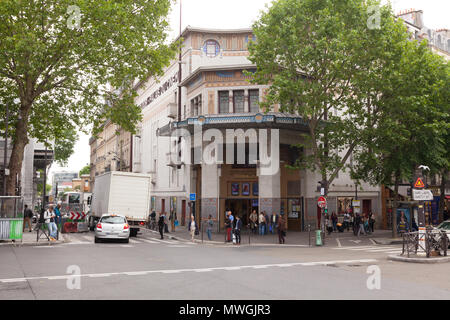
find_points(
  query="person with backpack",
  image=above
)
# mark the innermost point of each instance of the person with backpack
(49, 217)
(27, 218)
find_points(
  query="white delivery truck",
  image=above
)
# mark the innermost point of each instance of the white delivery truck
(122, 193)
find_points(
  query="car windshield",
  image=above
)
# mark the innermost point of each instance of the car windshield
(113, 220)
(444, 225)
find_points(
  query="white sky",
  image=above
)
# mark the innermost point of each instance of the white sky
(229, 14)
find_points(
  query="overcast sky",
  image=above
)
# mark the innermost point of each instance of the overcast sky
(225, 14)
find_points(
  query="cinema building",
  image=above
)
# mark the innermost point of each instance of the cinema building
(219, 104)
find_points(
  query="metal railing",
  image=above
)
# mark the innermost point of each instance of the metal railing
(428, 242)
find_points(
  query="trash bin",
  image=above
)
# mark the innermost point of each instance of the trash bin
(319, 238)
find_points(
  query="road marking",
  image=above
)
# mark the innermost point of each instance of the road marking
(90, 239)
(354, 248)
(338, 242)
(134, 241)
(149, 241)
(373, 241)
(199, 270)
(163, 241)
(180, 246)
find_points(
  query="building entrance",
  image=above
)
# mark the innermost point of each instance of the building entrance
(242, 207)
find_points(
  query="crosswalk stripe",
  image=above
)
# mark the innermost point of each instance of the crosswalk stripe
(372, 248)
(87, 238)
(353, 247)
(149, 241)
(163, 241)
(381, 250)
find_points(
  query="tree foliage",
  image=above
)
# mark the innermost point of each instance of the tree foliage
(325, 63)
(67, 64)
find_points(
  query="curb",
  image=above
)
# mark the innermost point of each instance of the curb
(388, 241)
(32, 244)
(419, 260)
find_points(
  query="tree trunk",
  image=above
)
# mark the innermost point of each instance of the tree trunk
(395, 206)
(442, 197)
(19, 143)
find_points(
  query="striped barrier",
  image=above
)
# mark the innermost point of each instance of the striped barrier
(11, 229)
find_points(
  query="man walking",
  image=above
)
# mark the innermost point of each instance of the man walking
(334, 219)
(161, 224)
(49, 217)
(359, 224)
(253, 221)
(281, 229)
(273, 222)
(27, 218)
(237, 230)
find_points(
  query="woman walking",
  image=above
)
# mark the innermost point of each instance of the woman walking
(161, 224)
(209, 227)
(193, 228)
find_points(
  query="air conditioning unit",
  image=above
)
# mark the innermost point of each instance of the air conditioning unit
(173, 110)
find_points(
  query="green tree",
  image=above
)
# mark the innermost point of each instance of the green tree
(60, 58)
(325, 62)
(412, 124)
(85, 170)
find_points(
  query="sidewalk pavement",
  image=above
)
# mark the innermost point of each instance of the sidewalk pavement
(29, 239)
(292, 237)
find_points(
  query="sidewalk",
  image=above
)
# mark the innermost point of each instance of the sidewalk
(292, 238)
(29, 239)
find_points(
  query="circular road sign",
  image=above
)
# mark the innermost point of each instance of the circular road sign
(322, 202)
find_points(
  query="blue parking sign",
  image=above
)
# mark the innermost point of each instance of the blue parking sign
(193, 197)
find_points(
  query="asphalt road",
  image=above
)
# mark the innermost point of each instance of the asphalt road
(147, 268)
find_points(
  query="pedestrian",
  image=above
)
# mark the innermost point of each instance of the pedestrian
(228, 225)
(49, 217)
(58, 214)
(209, 227)
(273, 222)
(334, 220)
(359, 222)
(253, 221)
(262, 224)
(371, 222)
(161, 224)
(27, 218)
(329, 224)
(172, 218)
(237, 230)
(281, 229)
(166, 223)
(267, 219)
(193, 228)
(347, 221)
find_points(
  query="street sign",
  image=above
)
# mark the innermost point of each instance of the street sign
(356, 203)
(422, 195)
(419, 184)
(322, 202)
(193, 197)
(77, 215)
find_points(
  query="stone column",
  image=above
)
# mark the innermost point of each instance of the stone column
(210, 190)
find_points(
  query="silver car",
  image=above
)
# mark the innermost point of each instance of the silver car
(112, 226)
(445, 226)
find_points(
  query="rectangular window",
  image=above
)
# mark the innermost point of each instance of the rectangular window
(224, 103)
(253, 98)
(238, 101)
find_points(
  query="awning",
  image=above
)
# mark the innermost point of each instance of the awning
(447, 197)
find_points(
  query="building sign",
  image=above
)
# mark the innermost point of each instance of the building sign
(422, 195)
(160, 91)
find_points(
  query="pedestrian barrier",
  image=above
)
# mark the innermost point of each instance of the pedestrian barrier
(11, 218)
(432, 241)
